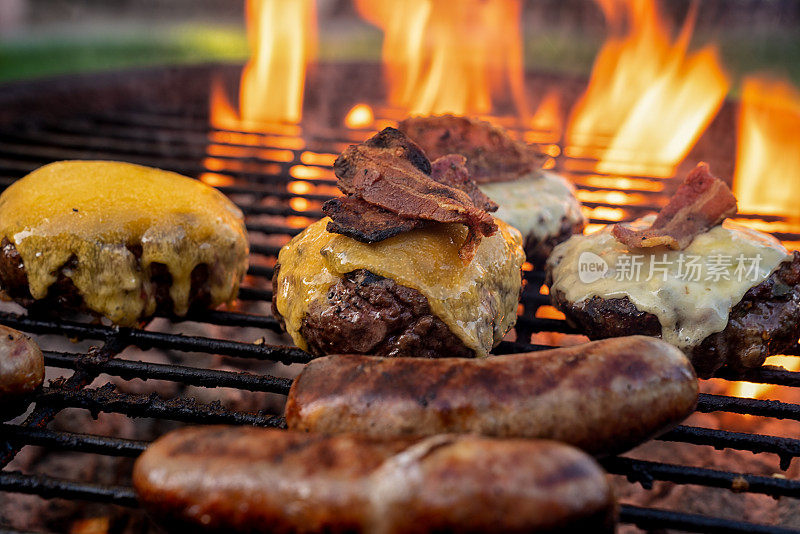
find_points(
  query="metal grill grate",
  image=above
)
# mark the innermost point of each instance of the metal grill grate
(255, 170)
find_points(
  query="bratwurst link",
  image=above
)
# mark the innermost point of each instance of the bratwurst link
(226, 479)
(604, 397)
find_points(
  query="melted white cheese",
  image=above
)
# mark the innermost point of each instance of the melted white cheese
(690, 307)
(536, 204)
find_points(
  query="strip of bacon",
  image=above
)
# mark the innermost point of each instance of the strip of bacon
(492, 155)
(452, 170)
(365, 222)
(368, 223)
(701, 202)
(391, 172)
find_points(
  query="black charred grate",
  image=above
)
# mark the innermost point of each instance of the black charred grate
(178, 138)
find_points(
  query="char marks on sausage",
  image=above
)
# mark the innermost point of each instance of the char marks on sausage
(700, 203)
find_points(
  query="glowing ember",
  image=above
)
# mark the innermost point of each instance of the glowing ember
(548, 312)
(360, 116)
(315, 158)
(767, 178)
(299, 188)
(648, 99)
(216, 180)
(450, 57)
(299, 204)
(282, 36)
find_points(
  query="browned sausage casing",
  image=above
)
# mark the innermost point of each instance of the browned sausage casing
(21, 364)
(604, 397)
(228, 479)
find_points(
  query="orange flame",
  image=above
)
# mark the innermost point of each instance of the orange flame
(282, 36)
(450, 57)
(767, 177)
(548, 115)
(759, 391)
(648, 99)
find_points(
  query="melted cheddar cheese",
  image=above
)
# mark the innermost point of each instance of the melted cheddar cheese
(477, 301)
(93, 211)
(690, 302)
(536, 204)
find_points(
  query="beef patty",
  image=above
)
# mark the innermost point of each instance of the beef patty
(63, 295)
(765, 322)
(369, 314)
(538, 250)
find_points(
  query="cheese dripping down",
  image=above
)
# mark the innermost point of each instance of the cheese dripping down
(536, 204)
(732, 260)
(96, 212)
(477, 301)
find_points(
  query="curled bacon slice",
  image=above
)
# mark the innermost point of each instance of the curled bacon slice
(368, 223)
(701, 202)
(390, 172)
(452, 170)
(492, 156)
(365, 222)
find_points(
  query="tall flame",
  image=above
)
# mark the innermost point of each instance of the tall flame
(450, 57)
(648, 99)
(282, 36)
(767, 177)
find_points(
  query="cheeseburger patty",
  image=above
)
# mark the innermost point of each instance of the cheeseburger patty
(368, 314)
(766, 321)
(119, 240)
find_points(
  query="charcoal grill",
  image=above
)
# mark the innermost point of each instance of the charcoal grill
(159, 117)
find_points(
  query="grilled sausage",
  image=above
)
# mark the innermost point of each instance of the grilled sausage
(229, 479)
(21, 370)
(604, 397)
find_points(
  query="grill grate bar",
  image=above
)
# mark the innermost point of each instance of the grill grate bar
(786, 448)
(766, 408)
(251, 293)
(23, 435)
(768, 374)
(260, 270)
(209, 378)
(145, 339)
(225, 318)
(646, 472)
(42, 415)
(50, 487)
(654, 519)
(106, 399)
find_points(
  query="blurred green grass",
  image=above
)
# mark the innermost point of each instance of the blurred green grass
(61, 54)
(553, 50)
